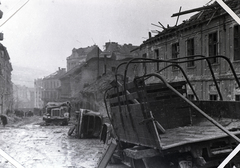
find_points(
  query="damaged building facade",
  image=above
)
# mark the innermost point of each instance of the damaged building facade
(50, 86)
(210, 32)
(80, 55)
(85, 83)
(6, 85)
(76, 78)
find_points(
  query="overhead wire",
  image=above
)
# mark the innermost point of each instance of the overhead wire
(14, 13)
(12, 7)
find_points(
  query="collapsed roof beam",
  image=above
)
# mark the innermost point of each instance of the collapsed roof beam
(193, 10)
(212, 6)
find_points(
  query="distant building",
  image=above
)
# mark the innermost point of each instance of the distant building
(38, 89)
(6, 87)
(23, 97)
(76, 80)
(81, 55)
(51, 85)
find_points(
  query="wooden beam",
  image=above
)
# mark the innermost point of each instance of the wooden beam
(194, 10)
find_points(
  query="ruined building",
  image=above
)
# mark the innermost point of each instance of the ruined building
(107, 64)
(84, 84)
(210, 32)
(79, 55)
(6, 86)
(51, 85)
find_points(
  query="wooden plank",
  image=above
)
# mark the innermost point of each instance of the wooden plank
(133, 130)
(136, 110)
(160, 86)
(157, 87)
(163, 95)
(171, 114)
(139, 152)
(122, 99)
(107, 155)
(176, 137)
(120, 90)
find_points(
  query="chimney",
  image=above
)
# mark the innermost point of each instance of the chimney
(107, 44)
(149, 34)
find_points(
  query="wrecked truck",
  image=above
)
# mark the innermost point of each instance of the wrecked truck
(88, 124)
(57, 113)
(155, 124)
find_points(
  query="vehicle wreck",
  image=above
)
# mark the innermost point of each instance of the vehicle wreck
(182, 109)
(88, 124)
(156, 125)
(57, 113)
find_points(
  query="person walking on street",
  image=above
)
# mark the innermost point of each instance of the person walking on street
(3, 120)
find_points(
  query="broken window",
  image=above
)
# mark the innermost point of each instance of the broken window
(190, 52)
(236, 38)
(113, 69)
(175, 52)
(237, 97)
(191, 97)
(213, 96)
(156, 54)
(213, 46)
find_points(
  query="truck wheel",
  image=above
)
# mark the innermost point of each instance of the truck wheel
(137, 163)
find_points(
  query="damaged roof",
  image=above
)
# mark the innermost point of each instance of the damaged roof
(213, 10)
(85, 51)
(100, 85)
(117, 51)
(56, 75)
(74, 70)
(205, 14)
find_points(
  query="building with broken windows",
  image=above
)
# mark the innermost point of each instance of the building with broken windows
(210, 32)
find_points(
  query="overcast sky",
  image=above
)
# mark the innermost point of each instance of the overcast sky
(44, 32)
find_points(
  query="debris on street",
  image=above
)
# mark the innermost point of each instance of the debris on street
(33, 145)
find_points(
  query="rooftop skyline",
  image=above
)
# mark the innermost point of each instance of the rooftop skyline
(42, 34)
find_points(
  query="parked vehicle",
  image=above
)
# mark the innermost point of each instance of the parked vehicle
(88, 124)
(154, 124)
(57, 113)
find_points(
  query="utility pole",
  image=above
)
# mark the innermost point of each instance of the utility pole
(98, 62)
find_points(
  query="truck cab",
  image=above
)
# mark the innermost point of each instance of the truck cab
(57, 113)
